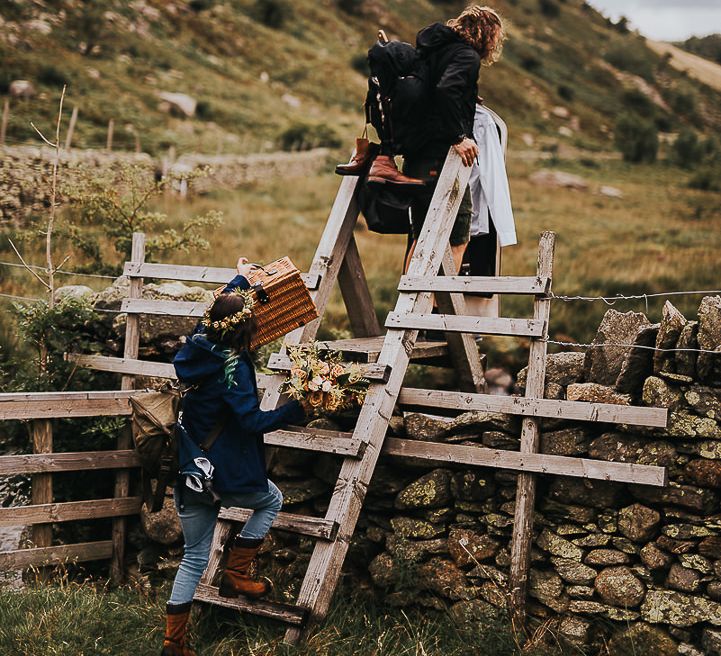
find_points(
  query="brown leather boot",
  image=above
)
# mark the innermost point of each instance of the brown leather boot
(365, 151)
(236, 579)
(384, 171)
(174, 643)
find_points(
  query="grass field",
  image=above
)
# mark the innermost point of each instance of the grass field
(88, 620)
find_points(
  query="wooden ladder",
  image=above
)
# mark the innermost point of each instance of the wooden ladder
(386, 360)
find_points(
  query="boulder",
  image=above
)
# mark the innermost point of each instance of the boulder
(642, 638)
(472, 613)
(179, 104)
(561, 368)
(162, 526)
(606, 557)
(433, 490)
(659, 394)
(678, 609)
(557, 512)
(653, 558)
(686, 496)
(383, 570)
(618, 586)
(414, 550)
(499, 440)
(638, 363)
(566, 442)
(472, 485)
(704, 401)
(585, 492)
(422, 427)
(611, 192)
(589, 607)
(574, 630)
(547, 587)
(549, 178)
(686, 360)
(710, 546)
(445, 579)
(299, 491)
(603, 364)
(683, 579)
(638, 522)
(574, 572)
(711, 641)
(469, 548)
(672, 322)
(73, 291)
(419, 529)
(705, 473)
(620, 447)
(21, 89)
(708, 365)
(686, 425)
(595, 393)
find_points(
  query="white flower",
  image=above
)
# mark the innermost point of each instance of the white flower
(326, 387)
(317, 380)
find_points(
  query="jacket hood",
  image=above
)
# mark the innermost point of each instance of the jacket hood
(435, 36)
(199, 359)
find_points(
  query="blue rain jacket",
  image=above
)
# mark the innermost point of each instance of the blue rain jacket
(238, 453)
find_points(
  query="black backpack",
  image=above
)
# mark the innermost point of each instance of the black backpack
(398, 93)
(385, 208)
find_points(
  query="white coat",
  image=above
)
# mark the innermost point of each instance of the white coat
(489, 182)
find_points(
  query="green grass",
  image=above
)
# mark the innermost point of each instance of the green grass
(89, 620)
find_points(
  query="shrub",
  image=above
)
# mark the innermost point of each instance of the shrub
(683, 102)
(632, 57)
(204, 110)
(200, 5)
(637, 139)
(359, 63)
(706, 179)
(353, 7)
(687, 149)
(52, 77)
(637, 101)
(304, 136)
(550, 8)
(566, 93)
(272, 13)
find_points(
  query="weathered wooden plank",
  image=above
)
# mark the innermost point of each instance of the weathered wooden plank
(135, 306)
(60, 553)
(69, 511)
(367, 349)
(462, 346)
(14, 397)
(530, 437)
(316, 439)
(124, 440)
(476, 325)
(67, 408)
(41, 485)
(213, 275)
(65, 462)
(221, 534)
(371, 371)
(476, 284)
(272, 609)
(327, 559)
(317, 527)
(356, 295)
(123, 366)
(539, 463)
(535, 407)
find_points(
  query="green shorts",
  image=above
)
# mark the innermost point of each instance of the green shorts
(429, 169)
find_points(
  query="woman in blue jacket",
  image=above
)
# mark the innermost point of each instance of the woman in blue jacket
(216, 360)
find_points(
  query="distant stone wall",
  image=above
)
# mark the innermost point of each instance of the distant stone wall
(26, 172)
(616, 568)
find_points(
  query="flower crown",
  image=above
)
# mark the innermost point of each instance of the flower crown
(232, 321)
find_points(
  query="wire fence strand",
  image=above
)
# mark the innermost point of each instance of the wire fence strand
(36, 267)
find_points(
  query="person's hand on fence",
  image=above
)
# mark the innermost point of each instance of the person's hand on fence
(467, 150)
(243, 267)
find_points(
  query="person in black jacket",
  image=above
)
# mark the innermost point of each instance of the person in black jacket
(217, 362)
(454, 53)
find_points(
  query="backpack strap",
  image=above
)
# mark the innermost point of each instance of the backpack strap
(214, 434)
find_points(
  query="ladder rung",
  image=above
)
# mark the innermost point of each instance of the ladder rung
(454, 324)
(316, 439)
(371, 371)
(476, 284)
(367, 349)
(317, 527)
(276, 610)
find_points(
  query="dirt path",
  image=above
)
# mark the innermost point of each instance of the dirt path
(697, 67)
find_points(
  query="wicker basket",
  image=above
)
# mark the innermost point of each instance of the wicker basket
(283, 302)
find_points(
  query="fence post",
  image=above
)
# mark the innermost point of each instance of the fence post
(41, 490)
(71, 128)
(125, 441)
(111, 128)
(4, 121)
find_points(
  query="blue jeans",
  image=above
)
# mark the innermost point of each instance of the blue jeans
(198, 519)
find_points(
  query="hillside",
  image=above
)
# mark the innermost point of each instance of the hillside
(275, 73)
(708, 46)
(700, 68)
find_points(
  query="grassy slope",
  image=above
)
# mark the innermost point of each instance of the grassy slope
(219, 56)
(704, 70)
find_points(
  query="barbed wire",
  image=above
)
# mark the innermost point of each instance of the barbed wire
(635, 346)
(611, 300)
(59, 271)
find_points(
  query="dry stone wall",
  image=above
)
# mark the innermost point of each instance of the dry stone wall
(616, 568)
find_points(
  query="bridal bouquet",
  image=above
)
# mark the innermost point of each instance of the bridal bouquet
(322, 383)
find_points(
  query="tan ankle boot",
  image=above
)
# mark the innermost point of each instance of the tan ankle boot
(384, 171)
(174, 643)
(365, 151)
(236, 579)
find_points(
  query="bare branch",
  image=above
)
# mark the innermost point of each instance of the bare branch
(27, 266)
(53, 203)
(42, 136)
(60, 266)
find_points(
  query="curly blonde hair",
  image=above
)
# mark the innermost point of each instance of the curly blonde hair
(483, 29)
